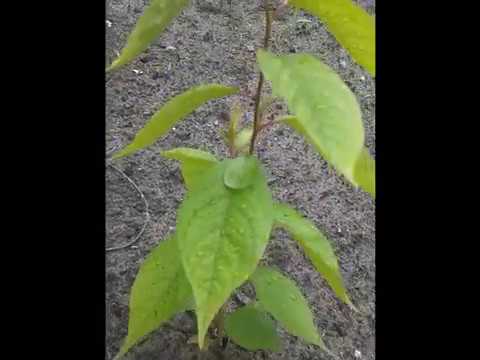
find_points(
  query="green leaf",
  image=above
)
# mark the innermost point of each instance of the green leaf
(315, 244)
(194, 163)
(222, 234)
(282, 298)
(364, 172)
(235, 116)
(252, 329)
(157, 16)
(160, 291)
(351, 25)
(243, 138)
(173, 111)
(326, 111)
(240, 172)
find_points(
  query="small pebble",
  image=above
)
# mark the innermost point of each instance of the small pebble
(207, 36)
(145, 59)
(109, 23)
(304, 21)
(357, 354)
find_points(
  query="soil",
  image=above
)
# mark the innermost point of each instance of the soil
(211, 45)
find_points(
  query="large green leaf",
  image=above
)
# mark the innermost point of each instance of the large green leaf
(326, 111)
(252, 329)
(222, 234)
(194, 163)
(315, 244)
(281, 297)
(173, 111)
(364, 172)
(150, 25)
(351, 25)
(160, 291)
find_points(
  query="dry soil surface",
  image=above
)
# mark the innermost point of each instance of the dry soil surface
(207, 45)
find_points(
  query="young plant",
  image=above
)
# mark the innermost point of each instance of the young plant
(225, 222)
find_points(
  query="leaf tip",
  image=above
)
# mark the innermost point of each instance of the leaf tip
(128, 150)
(351, 305)
(201, 343)
(166, 153)
(319, 342)
(371, 70)
(119, 154)
(202, 331)
(123, 350)
(115, 64)
(324, 347)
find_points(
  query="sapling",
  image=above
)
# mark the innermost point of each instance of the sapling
(227, 217)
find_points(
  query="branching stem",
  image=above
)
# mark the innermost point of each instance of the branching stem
(258, 96)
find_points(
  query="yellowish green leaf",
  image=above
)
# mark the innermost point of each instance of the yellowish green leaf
(316, 246)
(173, 111)
(252, 329)
(194, 163)
(242, 140)
(326, 112)
(157, 16)
(364, 172)
(351, 25)
(160, 291)
(283, 299)
(222, 234)
(235, 116)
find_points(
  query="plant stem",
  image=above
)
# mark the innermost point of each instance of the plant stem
(265, 125)
(266, 43)
(221, 323)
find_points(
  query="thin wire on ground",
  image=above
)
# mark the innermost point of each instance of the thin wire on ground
(147, 212)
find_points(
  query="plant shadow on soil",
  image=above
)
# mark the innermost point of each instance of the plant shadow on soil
(217, 47)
